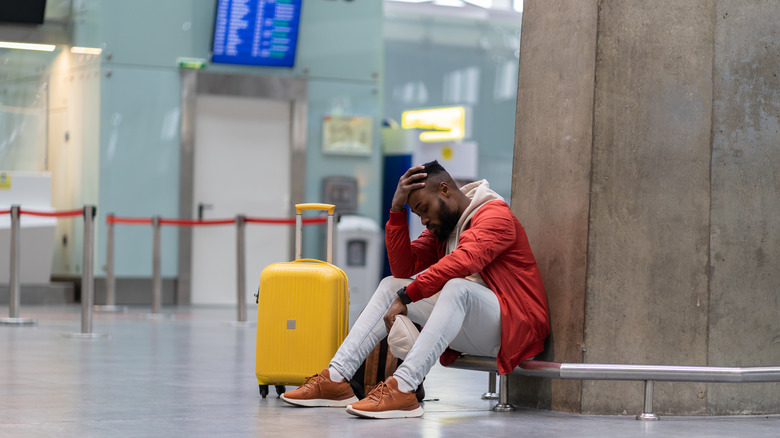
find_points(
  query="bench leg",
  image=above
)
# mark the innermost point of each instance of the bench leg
(503, 395)
(647, 412)
(491, 393)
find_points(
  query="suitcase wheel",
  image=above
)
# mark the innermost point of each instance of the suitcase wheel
(263, 390)
(279, 390)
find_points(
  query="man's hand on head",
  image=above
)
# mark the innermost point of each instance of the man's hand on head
(409, 182)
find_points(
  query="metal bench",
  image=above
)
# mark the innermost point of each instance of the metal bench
(647, 373)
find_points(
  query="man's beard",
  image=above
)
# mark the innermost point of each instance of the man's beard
(449, 220)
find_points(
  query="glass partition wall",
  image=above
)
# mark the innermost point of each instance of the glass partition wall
(49, 124)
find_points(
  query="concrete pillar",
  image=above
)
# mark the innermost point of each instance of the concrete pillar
(744, 319)
(551, 173)
(645, 173)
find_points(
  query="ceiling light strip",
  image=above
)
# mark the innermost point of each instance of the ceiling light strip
(27, 46)
(86, 50)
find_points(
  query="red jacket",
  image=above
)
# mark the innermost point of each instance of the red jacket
(495, 246)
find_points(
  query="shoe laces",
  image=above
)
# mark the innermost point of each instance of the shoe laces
(313, 380)
(379, 392)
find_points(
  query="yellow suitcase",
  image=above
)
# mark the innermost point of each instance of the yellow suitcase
(302, 314)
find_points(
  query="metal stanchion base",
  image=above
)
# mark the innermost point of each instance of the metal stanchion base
(158, 316)
(503, 408)
(85, 335)
(647, 416)
(18, 321)
(248, 324)
(490, 396)
(112, 309)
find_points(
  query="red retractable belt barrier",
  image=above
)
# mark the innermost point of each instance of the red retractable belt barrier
(87, 277)
(67, 213)
(195, 222)
(198, 222)
(5, 212)
(308, 221)
(128, 220)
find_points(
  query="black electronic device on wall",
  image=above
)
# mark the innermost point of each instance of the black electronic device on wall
(341, 191)
(22, 11)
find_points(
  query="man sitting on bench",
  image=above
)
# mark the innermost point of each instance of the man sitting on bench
(480, 293)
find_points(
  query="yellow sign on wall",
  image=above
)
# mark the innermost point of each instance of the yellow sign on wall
(5, 181)
(440, 124)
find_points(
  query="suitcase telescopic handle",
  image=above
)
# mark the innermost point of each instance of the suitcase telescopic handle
(330, 208)
(299, 208)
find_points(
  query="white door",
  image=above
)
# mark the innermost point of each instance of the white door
(242, 166)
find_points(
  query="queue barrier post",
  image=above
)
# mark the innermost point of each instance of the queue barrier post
(110, 305)
(240, 267)
(156, 272)
(156, 267)
(241, 274)
(14, 277)
(87, 276)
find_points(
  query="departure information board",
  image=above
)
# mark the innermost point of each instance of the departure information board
(256, 32)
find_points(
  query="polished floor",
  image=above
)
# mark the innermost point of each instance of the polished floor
(192, 375)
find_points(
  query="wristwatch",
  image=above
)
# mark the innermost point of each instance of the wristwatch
(402, 295)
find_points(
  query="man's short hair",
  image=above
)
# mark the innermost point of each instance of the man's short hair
(435, 174)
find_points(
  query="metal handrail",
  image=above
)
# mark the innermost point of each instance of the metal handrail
(647, 373)
(661, 373)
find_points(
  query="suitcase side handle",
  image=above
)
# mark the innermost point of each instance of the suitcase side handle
(330, 208)
(299, 208)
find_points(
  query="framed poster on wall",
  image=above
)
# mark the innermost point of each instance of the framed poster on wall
(346, 135)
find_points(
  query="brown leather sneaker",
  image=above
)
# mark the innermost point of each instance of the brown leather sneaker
(320, 391)
(387, 401)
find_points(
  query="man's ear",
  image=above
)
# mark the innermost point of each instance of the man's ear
(444, 189)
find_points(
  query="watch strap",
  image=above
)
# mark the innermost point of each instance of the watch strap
(404, 297)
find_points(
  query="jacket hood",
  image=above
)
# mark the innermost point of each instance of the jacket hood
(480, 193)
